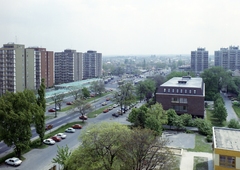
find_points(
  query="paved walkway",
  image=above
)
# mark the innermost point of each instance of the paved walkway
(187, 160)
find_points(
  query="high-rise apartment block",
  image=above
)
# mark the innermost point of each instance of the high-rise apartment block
(199, 60)
(68, 66)
(228, 58)
(92, 64)
(12, 68)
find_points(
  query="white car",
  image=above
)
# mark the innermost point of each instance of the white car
(61, 135)
(70, 130)
(49, 141)
(13, 161)
(115, 105)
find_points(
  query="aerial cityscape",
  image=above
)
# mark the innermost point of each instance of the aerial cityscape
(120, 85)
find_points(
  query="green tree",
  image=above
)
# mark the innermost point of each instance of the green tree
(145, 89)
(76, 92)
(41, 96)
(98, 87)
(16, 116)
(178, 123)
(62, 157)
(220, 111)
(57, 98)
(172, 117)
(83, 107)
(204, 126)
(187, 119)
(233, 123)
(85, 92)
(138, 116)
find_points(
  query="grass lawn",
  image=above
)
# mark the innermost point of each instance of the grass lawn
(200, 163)
(214, 120)
(237, 110)
(201, 145)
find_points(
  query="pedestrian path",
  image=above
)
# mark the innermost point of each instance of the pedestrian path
(187, 160)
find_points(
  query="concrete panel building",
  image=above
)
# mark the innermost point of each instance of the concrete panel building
(183, 94)
(92, 64)
(226, 148)
(199, 60)
(12, 68)
(228, 58)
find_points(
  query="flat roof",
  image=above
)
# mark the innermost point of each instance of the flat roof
(226, 138)
(193, 82)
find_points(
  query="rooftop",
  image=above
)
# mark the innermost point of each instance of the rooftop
(226, 138)
(186, 82)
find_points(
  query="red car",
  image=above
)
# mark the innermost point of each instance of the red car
(106, 110)
(76, 126)
(69, 103)
(56, 139)
(52, 110)
(83, 117)
(48, 127)
(107, 99)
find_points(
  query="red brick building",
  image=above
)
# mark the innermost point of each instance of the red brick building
(183, 94)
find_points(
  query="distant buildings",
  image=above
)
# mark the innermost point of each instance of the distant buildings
(226, 148)
(228, 58)
(183, 94)
(92, 64)
(199, 60)
(23, 68)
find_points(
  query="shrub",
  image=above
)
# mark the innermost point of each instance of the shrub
(209, 138)
(204, 126)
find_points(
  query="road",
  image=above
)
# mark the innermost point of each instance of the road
(228, 105)
(41, 159)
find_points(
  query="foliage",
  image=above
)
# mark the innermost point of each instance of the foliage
(82, 106)
(109, 146)
(85, 92)
(178, 123)
(16, 113)
(187, 119)
(220, 111)
(97, 87)
(204, 126)
(138, 116)
(172, 117)
(57, 98)
(145, 89)
(63, 155)
(233, 123)
(39, 115)
(76, 92)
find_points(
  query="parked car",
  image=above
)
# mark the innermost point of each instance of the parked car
(77, 126)
(115, 105)
(105, 111)
(83, 117)
(115, 114)
(61, 135)
(110, 108)
(52, 110)
(56, 138)
(104, 103)
(56, 108)
(107, 99)
(69, 103)
(48, 127)
(49, 141)
(70, 130)
(13, 161)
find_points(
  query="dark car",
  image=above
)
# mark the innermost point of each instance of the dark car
(69, 103)
(52, 110)
(48, 127)
(83, 117)
(77, 126)
(115, 114)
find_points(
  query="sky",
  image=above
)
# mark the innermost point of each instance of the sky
(121, 27)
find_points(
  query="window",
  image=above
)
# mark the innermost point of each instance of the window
(227, 161)
(180, 90)
(190, 91)
(177, 90)
(172, 90)
(168, 90)
(183, 100)
(185, 90)
(164, 90)
(175, 100)
(194, 91)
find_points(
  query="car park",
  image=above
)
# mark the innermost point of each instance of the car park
(13, 161)
(61, 135)
(56, 138)
(83, 117)
(77, 126)
(49, 141)
(70, 130)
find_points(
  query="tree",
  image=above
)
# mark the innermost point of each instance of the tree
(233, 123)
(172, 117)
(145, 89)
(178, 123)
(57, 98)
(98, 87)
(101, 145)
(62, 157)
(16, 116)
(108, 146)
(187, 119)
(82, 106)
(220, 111)
(85, 92)
(204, 126)
(76, 92)
(39, 115)
(138, 116)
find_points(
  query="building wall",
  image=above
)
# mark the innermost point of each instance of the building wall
(216, 155)
(199, 60)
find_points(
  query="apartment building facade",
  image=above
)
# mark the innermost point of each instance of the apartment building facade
(199, 60)
(228, 58)
(183, 94)
(12, 68)
(68, 66)
(92, 64)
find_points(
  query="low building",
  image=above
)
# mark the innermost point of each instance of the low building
(183, 94)
(226, 148)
